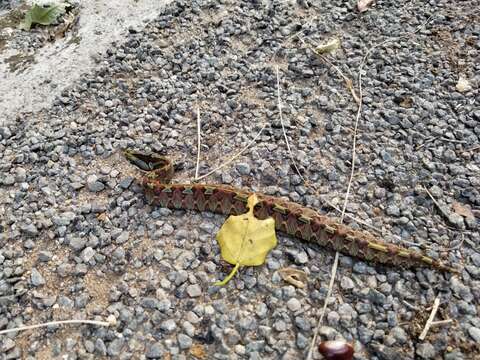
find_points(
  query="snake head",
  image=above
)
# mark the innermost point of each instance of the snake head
(157, 166)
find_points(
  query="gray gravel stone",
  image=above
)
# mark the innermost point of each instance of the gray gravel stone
(77, 243)
(155, 351)
(123, 237)
(30, 229)
(194, 290)
(94, 185)
(168, 325)
(426, 351)
(20, 175)
(184, 341)
(243, 168)
(115, 347)
(8, 180)
(37, 278)
(44, 256)
(294, 305)
(474, 333)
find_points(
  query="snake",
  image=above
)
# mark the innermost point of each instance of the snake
(290, 218)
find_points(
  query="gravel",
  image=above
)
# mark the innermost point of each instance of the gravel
(78, 238)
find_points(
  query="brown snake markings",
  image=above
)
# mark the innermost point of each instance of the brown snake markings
(290, 218)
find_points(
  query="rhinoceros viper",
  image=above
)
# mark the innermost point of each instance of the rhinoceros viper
(290, 218)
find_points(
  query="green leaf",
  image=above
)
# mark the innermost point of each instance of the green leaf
(42, 15)
(245, 240)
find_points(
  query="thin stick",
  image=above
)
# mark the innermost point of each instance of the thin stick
(442, 211)
(354, 218)
(359, 112)
(198, 143)
(325, 304)
(344, 208)
(472, 149)
(413, 307)
(436, 304)
(348, 82)
(279, 100)
(441, 322)
(234, 156)
(29, 327)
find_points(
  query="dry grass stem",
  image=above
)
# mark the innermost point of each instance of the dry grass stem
(234, 156)
(342, 216)
(473, 148)
(436, 304)
(357, 119)
(198, 143)
(441, 322)
(62, 322)
(279, 100)
(437, 204)
(412, 307)
(354, 218)
(325, 304)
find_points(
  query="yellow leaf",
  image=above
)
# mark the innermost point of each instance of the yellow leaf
(245, 240)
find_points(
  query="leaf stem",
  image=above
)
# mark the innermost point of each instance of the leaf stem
(229, 277)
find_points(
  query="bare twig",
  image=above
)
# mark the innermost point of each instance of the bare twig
(234, 156)
(348, 81)
(436, 304)
(440, 208)
(413, 307)
(442, 139)
(198, 143)
(472, 149)
(441, 322)
(29, 327)
(325, 304)
(357, 119)
(283, 126)
(350, 180)
(353, 218)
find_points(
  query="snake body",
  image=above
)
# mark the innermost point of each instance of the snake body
(290, 218)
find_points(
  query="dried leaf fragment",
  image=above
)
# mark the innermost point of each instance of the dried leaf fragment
(463, 85)
(463, 210)
(295, 277)
(198, 351)
(406, 102)
(245, 240)
(363, 5)
(328, 46)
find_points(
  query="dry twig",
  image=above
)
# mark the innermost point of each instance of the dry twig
(198, 143)
(234, 156)
(436, 304)
(62, 322)
(283, 126)
(357, 118)
(350, 180)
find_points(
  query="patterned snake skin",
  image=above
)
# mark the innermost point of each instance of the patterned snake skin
(290, 218)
